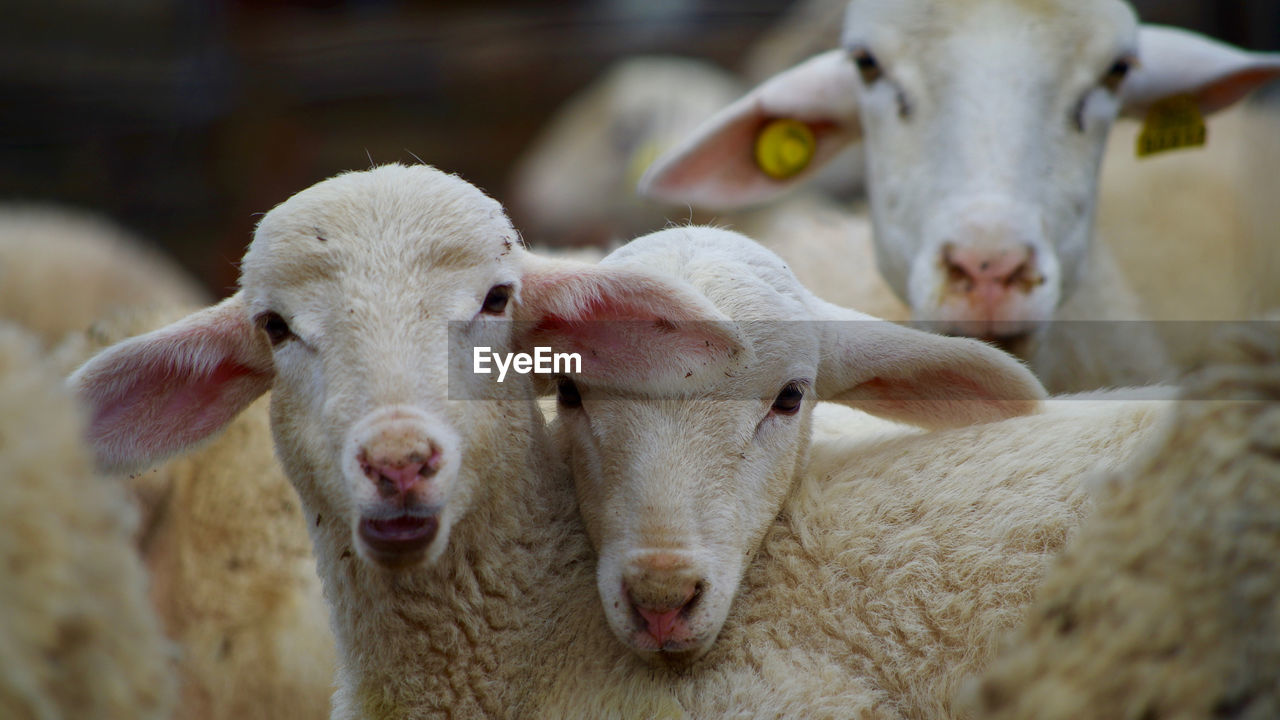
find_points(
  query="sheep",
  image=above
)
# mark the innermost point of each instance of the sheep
(1164, 604)
(233, 579)
(446, 531)
(886, 566)
(77, 638)
(963, 126)
(63, 268)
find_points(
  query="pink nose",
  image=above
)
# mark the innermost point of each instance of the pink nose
(397, 474)
(666, 621)
(987, 270)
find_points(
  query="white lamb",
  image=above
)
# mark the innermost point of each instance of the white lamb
(233, 580)
(983, 123)
(61, 269)
(885, 568)
(1165, 604)
(78, 639)
(447, 535)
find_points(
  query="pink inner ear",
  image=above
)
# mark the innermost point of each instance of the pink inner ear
(620, 341)
(902, 396)
(161, 408)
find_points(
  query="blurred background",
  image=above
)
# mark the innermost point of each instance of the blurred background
(184, 119)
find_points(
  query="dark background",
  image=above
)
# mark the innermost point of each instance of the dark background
(181, 119)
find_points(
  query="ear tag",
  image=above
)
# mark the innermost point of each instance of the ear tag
(1172, 123)
(640, 160)
(784, 148)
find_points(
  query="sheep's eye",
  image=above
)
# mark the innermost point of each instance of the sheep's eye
(788, 401)
(1116, 74)
(495, 303)
(275, 327)
(868, 67)
(567, 393)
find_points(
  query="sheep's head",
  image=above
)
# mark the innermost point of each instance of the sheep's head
(984, 123)
(356, 296)
(679, 475)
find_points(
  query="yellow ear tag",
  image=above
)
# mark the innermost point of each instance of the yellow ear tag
(640, 160)
(1171, 124)
(784, 148)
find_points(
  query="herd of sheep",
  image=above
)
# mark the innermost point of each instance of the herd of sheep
(762, 493)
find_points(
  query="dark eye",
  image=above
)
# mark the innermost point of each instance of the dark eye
(788, 401)
(275, 327)
(1116, 74)
(495, 303)
(567, 393)
(868, 67)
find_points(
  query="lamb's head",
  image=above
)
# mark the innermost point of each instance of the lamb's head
(356, 295)
(984, 123)
(679, 479)
(371, 289)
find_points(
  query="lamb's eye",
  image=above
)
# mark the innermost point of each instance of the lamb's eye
(495, 303)
(275, 327)
(567, 393)
(868, 67)
(788, 400)
(1116, 74)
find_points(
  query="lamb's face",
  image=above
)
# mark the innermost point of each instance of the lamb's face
(677, 490)
(356, 282)
(984, 123)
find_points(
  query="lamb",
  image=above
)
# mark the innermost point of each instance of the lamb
(77, 638)
(233, 579)
(1164, 605)
(886, 567)
(61, 269)
(974, 238)
(445, 531)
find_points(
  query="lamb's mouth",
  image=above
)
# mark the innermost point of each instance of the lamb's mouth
(398, 540)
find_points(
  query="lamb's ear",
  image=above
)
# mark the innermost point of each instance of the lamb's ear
(718, 167)
(156, 394)
(630, 328)
(917, 377)
(1172, 61)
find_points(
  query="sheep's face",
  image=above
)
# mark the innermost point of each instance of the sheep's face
(984, 123)
(363, 284)
(677, 484)
(677, 492)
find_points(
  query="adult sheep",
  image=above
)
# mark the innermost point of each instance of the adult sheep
(877, 574)
(77, 636)
(233, 581)
(983, 124)
(63, 268)
(445, 531)
(1164, 605)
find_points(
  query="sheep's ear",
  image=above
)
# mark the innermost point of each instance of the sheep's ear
(1172, 62)
(156, 394)
(917, 377)
(721, 166)
(629, 327)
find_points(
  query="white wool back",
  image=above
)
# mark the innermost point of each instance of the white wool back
(62, 268)
(1164, 604)
(78, 638)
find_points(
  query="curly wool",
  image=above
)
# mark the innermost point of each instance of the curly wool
(78, 639)
(1164, 606)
